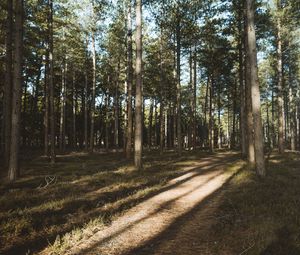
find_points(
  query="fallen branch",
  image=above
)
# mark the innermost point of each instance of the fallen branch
(49, 180)
(243, 252)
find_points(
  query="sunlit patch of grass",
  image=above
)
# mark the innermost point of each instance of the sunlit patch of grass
(261, 214)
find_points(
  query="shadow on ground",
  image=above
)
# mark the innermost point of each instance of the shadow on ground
(88, 187)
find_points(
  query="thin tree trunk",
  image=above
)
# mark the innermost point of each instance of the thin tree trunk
(129, 83)
(51, 84)
(280, 85)
(205, 109)
(194, 99)
(178, 86)
(139, 96)
(62, 111)
(243, 119)
(233, 135)
(211, 117)
(86, 112)
(255, 93)
(92, 127)
(74, 142)
(8, 82)
(162, 136)
(219, 118)
(106, 121)
(150, 124)
(249, 116)
(13, 170)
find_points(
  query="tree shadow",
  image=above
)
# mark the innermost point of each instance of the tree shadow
(283, 244)
(84, 210)
(173, 227)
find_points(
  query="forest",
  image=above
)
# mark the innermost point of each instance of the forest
(150, 127)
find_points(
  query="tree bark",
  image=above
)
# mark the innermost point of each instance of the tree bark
(62, 126)
(129, 83)
(194, 100)
(51, 84)
(211, 117)
(255, 93)
(8, 82)
(92, 127)
(13, 170)
(280, 84)
(74, 142)
(178, 86)
(86, 111)
(249, 116)
(139, 96)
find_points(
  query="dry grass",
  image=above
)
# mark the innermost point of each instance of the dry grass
(88, 191)
(260, 216)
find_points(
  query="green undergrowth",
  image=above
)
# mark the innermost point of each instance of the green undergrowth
(59, 205)
(260, 216)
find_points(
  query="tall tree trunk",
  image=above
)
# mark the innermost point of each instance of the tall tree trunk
(92, 127)
(219, 119)
(243, 119)
(178, 86)
(211, 117)
(233, 134)
(150, 124)
(46, 100)
(86, 111)
(205, 109)
(129, 83)
(106, 121)
(255, 93)
(74, 142)
(51, 84)
(162, 123)
(116, 108)
(13, 170)
(62, 110)
(280, 84)
(8, 82)
(194, 100)
(139, 96)
(249, 115)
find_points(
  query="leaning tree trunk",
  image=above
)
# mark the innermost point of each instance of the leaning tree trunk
(13, 169)
(255, 93)
(139, 95)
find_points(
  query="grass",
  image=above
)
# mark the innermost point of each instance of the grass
(256, 216)
(87, 193)
(260, 216)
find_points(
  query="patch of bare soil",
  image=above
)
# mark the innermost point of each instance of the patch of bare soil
(172, 222)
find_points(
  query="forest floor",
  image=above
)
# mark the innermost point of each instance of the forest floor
(199, 204)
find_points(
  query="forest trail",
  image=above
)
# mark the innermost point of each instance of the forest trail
(171, 222)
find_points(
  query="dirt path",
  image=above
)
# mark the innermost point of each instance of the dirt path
(171, 222)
